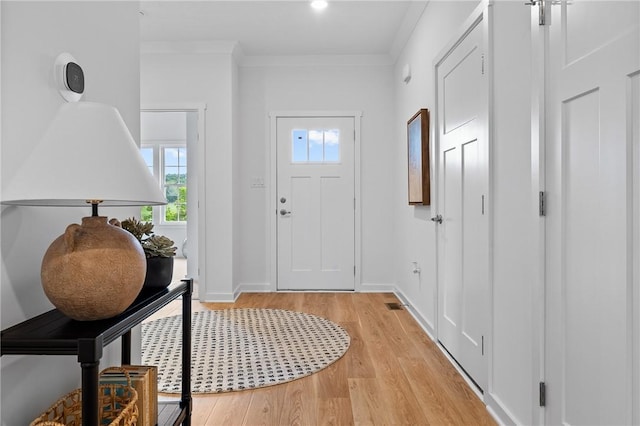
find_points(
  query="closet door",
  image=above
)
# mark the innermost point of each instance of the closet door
(463, 181)
(592, 218)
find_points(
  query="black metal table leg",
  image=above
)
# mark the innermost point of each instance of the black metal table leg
(89, 355)
(186, 353)
(90, 381)
(125, 350)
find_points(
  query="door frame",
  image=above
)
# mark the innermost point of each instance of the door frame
(480, 17)
(539, 38)
(271, 202)
(200, 108)
(635, 249)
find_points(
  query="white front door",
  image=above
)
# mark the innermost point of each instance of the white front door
(592, 120)
(315, 203)
(463, 177)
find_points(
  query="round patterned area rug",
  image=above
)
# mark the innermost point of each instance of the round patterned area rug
(237, 349)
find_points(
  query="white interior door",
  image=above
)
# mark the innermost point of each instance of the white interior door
(463, 245)
(315, 203)
(592, 338)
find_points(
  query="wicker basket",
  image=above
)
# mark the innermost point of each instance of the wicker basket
(117, 404)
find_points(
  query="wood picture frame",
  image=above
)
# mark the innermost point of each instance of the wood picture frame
(418, 159)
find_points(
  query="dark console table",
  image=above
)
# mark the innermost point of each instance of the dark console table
(52, 333)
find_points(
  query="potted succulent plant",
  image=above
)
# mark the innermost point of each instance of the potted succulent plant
(158, 249)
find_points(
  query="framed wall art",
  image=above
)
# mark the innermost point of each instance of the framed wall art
(418, 150)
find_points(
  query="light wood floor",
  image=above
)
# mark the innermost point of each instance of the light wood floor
(392, 374)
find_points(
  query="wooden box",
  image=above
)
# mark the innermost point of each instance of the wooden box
(144, 379)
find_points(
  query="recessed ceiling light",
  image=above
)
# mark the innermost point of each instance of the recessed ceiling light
(319, 4)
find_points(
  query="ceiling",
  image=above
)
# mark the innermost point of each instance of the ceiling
(285, 27)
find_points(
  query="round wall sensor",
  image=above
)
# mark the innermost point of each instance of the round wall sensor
(69, 77)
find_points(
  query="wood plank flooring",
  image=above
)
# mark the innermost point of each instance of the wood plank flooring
(392, 374)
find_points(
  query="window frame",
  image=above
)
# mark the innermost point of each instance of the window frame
(308, 142)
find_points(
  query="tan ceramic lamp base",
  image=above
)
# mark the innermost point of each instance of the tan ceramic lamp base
(94, 270)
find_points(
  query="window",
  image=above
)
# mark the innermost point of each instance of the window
(168, 164)
(315, 146)
(175, 184)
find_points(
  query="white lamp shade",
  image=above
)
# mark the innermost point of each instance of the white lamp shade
(86, 153)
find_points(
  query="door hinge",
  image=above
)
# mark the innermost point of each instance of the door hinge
(482, 345)
(541, 204)
(482, 64)
(483, 205)
(354, 203)
(541, 13)
(543, 394)
(354, 270)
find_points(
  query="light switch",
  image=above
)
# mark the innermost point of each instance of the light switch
(257, 182)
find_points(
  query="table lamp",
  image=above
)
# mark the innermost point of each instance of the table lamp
(88, 157)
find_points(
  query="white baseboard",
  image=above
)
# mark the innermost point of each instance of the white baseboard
(426, 325)
(253, 288)
(218, 297)
(375, 288)
(493, 406)
(267, 288)
(499, 412)
(495, 416)
(428, 328)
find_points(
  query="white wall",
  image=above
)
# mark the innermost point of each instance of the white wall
(415, 237)
(512, 355)
(312, 84)
(237, 165)
(173, 74)
(102, 36)
(239, 99)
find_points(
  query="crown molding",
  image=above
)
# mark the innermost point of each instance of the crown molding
(216, 47)
(315, 60)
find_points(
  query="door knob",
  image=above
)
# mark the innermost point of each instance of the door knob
(437, 219)
(284, 212)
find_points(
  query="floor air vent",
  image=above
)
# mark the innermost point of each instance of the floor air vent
(393, 306)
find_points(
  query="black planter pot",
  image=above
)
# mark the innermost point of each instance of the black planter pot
(159, 272)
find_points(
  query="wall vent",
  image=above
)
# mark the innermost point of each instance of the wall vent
(393, 306)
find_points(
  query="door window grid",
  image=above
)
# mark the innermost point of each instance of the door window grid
(317, 146)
